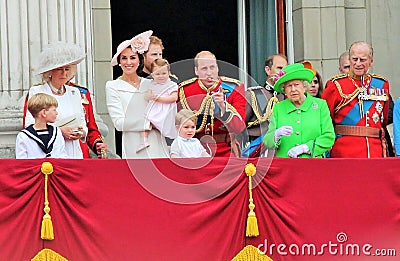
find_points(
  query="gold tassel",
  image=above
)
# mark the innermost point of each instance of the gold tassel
(251, 253)
(46, 254)
(252, 226)
(47, 232)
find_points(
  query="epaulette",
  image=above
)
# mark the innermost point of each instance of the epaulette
(77, 86)
(82, 90)
(40, 83)
(378, 76)
(187, 82)
(174, 76)
(337, 77)
(227, 79)
(255, 88)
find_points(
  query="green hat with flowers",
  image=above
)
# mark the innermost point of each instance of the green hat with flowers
(290, 72)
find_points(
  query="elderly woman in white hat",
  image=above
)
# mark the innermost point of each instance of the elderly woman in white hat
(301, 126)
(126, 101)
(57, 64)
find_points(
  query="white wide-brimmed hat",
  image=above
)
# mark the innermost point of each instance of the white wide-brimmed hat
(59, 54)
(139, 43)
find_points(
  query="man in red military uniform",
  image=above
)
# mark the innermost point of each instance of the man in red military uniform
(359, 105)
(94, 139)
(219, 103)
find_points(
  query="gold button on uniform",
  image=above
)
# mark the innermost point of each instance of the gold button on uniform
(297, 132)
(298, 122)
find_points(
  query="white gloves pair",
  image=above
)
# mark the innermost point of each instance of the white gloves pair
(295, 151)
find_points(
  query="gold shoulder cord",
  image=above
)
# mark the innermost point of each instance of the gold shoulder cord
(207, 107)
(378, 76)
(232, 80)
(268, 110)
(346, 98)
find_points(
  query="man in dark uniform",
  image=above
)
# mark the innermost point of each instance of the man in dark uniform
(260, 102)
(219, 104)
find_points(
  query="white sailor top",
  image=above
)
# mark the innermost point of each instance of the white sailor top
(32, 144)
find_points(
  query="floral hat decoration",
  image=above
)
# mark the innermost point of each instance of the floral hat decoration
(59, 54)
(290, 72)
(139, 43)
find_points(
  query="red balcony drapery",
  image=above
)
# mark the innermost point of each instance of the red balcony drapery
(109, 209)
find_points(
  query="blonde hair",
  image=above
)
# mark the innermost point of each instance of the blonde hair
(46, 76)
(183, 115)
(39, 102)
(159, 63)
(201, 55)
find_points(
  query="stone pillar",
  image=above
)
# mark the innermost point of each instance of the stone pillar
(102, 48)
(25, 28)
(320, 33)
(323, 29)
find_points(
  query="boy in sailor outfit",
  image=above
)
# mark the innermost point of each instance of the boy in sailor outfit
(41, 140)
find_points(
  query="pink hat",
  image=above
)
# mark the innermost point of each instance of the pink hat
(140, 43)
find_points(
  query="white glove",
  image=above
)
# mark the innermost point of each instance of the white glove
(283, 131)
(298, 150)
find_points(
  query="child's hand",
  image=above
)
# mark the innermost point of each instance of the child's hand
(149, 95)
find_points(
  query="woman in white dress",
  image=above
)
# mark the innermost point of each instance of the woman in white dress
(126, 101)
(57, 62)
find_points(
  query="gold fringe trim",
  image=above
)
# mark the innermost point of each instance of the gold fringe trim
(206, 109)
(232, 80)
(47, 254)
(251, 253)
(252, 226)
(47, 232)
(268, 110)
(346, 98)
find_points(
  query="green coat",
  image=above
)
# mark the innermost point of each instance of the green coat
(312, 125)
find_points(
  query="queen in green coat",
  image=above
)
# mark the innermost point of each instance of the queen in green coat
(301, 126)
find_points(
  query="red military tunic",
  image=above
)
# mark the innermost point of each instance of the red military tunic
(193, 95)
(93, 136)
(353, 103)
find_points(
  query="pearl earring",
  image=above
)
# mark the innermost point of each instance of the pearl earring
(119, 65)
